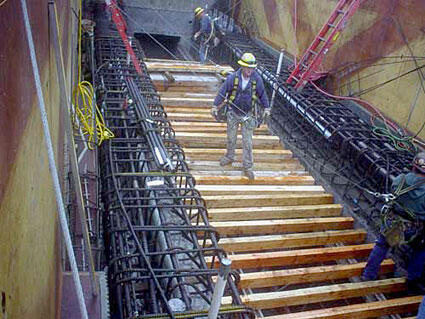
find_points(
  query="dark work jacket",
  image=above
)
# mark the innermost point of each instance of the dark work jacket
(414, 200)
(243, 98)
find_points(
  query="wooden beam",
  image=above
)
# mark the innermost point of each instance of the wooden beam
(209, 127)
(282, 225)
(296, 257)
(359, 311)
(257, 173)
(260, 166)
(189, 110)
(160, 66)
(306, 275)
(278, 212)
(182, 116)
(295, 297)
(258, 189)
(259, 180)
(260, 155)
(257, 243)
(266, 200)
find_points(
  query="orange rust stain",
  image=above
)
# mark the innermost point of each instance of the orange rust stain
(272, 15)
(384, 36)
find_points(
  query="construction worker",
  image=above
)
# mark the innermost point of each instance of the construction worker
(242, 89)
(205, 33)
(410, 202)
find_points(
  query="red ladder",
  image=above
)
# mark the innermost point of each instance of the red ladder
(306, 67)
(121, 27)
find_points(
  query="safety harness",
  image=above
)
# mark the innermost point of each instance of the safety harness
(396, 218)
(253, 91)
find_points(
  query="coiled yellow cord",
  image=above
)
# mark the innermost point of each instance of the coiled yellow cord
(92, 127)
(82, 98)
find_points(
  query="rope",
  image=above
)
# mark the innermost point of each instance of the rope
(87, 115)
(52, 165)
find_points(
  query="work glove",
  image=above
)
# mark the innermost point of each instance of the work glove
(214, 111)
(266, 114)
(196, 36)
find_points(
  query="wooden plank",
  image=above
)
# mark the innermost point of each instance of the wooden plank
(307, 275)
(269, 242)
(259, 155)
(266, 200)
(259, 180)
(209, 127)
(257, 243)
(359, 311)
(278, 212)
(296, 257)
(258, 189)
(282, 225)
(215, 165)
(295, 297)
(162, 66)
(216, 140)
(190, 117)
(188, 110)
(239, 173)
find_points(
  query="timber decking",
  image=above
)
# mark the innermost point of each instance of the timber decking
(298, 258)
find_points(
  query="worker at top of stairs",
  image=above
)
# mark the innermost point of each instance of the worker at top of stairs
(409, 191)
(206, 33)
(242, 89)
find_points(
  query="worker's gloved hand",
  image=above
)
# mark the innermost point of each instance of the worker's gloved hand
(214, 111)
(196, 36)
(266, 114)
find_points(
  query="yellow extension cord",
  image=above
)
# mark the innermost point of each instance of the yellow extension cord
(93, 127)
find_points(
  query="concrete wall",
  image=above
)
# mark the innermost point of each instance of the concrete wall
(371, 50)
(29, 237)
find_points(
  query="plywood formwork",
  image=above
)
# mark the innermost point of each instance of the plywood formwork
(283, 233)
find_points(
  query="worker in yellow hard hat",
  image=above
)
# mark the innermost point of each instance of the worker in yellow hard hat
(241, 90)
(206, 33)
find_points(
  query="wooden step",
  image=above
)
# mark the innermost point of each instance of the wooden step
(239, 173)
(278, 212)
(190, 117)
(296, 257)
(190, 102)
(260, 166)
(174, 67)
(209, 190)
(295, 297)
(307, 275)
(259, 180)
(214, 140)
(359, 311)
(266, 200)
(202, 127)
(188, 110)
(259, 155)
(282, 225)
(257, 243)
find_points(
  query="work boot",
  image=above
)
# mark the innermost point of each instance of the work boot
(249, 173)
(225, 161)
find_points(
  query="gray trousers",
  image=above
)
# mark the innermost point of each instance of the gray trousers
(247, 127)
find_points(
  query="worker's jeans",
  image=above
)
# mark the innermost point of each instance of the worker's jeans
(421, 311)
(378, 253)
(247, 126)
(203, 52)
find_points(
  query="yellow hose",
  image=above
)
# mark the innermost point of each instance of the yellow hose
(93, 127)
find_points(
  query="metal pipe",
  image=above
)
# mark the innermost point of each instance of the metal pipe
(219, 288)
(279, 67)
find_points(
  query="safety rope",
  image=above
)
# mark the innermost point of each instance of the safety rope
(87, 115)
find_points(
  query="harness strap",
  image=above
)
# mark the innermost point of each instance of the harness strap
(235, 88)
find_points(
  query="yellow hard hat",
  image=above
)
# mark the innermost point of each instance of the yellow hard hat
(198, 11)
(248, 60)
